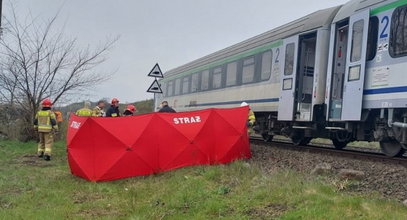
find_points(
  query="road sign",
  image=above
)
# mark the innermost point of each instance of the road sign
(156, 72)
(155, 88)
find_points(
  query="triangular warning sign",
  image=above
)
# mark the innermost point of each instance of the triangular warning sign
(155, 87)
(156, 72)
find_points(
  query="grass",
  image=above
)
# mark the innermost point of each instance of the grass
(34, 189)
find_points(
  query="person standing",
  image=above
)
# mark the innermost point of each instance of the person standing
(60, 119)
(113, 110)
(166, 108)
(45, 123)
(251, 119)
(85, 111)
(98, 110)
(130, 110)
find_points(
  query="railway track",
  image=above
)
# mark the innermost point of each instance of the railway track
(328, 149)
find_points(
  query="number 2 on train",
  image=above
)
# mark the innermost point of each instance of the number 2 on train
(385, 21)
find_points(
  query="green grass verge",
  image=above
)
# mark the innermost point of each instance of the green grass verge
(34, 189)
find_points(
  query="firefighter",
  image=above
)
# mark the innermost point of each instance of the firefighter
(60, 119)
(251, 119)
(166, 108)
(98, 110)
(45, 123)
(130, 110)
(85, 111)
(113, 110)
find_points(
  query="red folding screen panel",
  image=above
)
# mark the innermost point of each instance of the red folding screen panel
(103, 149)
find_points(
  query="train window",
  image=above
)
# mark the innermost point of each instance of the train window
(177, 87)
(205, 80)
(266, 61)
(357, 41)
(398, 33)
(217, 78)
(288, 84)
(170, 88)
(354, 73)
(195, 82)
(231, 74)
(248, 70)
(372, 38)
(185, 85)
(289, 59)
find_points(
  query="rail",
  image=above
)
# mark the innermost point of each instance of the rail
(325, 149)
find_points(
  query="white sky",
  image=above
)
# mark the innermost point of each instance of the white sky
(170, 32)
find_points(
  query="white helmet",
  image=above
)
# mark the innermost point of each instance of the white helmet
(244, 104)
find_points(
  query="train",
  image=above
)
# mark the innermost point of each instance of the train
(336, 73)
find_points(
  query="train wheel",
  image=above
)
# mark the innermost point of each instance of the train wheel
(339, 144)
(267, 137)
(300, 140)
(392, 148)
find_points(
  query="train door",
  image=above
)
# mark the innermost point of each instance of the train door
(305, 77)
(338, 69)
(288, 79)
(348, 68)
(355, 67)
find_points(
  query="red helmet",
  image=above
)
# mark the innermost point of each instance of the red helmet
(46, 103)
(115, 100)
(131, 108)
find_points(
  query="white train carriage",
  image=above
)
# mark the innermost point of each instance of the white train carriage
(336, 73)
(250, 71)
(365, 84)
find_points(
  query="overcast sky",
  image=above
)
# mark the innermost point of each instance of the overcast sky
(170, 32)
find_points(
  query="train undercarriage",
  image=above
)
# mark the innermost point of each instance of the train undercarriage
(386, 126)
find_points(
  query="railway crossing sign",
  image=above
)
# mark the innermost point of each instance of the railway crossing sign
(156, 73)
(155, 88)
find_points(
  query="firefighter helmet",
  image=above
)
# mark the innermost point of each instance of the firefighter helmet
(114, 101)
(244, 104)
(46, 103)
(131, 108)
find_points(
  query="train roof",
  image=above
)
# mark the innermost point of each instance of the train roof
(354, 6)
(312, 21)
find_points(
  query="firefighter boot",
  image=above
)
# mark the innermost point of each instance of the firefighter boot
(47, 157)
(40, 154)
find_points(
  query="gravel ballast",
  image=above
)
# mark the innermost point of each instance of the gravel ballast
(385, 178)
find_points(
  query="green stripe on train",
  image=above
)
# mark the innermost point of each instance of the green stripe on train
(227, 60)
(388, 7)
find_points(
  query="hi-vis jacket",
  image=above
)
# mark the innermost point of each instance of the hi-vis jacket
(45, 121)
(251, 119)
(84, 112)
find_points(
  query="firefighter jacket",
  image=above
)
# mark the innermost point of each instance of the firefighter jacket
(113, 111)
(98, 112)
(128, 113)
(45, 121)
(58, 116)
(167, 109)
(84, 112)
(251, 119)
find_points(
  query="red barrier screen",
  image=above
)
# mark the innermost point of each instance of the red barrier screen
(103, 149)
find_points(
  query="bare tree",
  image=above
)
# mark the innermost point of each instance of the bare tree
(38, 61)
